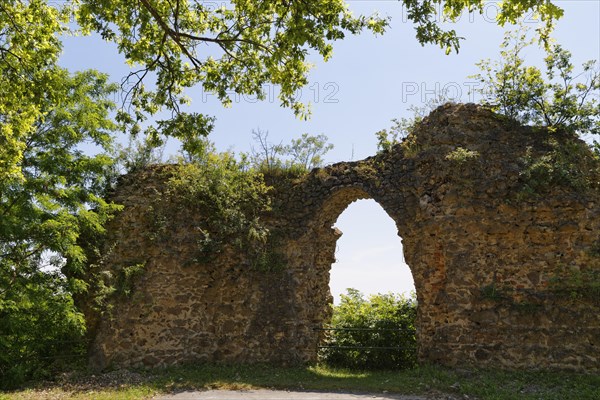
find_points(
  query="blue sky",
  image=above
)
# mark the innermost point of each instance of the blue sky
(368, 81)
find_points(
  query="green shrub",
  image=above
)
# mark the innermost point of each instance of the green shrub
(566, 163)
(41, 332)
(297, 158)
(230, 197)
(381, 332)
(558, 97)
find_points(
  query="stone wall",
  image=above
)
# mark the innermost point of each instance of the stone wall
(506, 269)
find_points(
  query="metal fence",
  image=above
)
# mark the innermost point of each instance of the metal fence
(374, 330)
(48, 350)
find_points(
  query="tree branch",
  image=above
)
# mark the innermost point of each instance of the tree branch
(176, 35)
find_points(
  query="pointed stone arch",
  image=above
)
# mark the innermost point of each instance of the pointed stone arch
(321, 237)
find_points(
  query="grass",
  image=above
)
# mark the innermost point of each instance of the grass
(476, 384)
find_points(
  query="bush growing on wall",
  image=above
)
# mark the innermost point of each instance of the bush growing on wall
(298, 157)
(382, 321)
(559, 97)
(230, 195)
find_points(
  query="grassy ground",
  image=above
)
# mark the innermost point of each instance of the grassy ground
(434, 381)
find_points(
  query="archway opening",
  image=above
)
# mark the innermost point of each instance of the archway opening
(369, 255)
(374, 325)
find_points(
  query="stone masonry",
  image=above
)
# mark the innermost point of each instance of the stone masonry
(504, 277)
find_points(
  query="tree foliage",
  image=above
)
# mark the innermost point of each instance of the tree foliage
(426, 15)
(301, 155)
(173, 45)
(236, 48)
(29, 49)
(562, 101)
(308, 151)
(139, 153)
(41, 331)
(44, 206)
(50, 190)
(401, 128)
(374, 333)
(56, 195)
(240, 47)
(558, 97)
